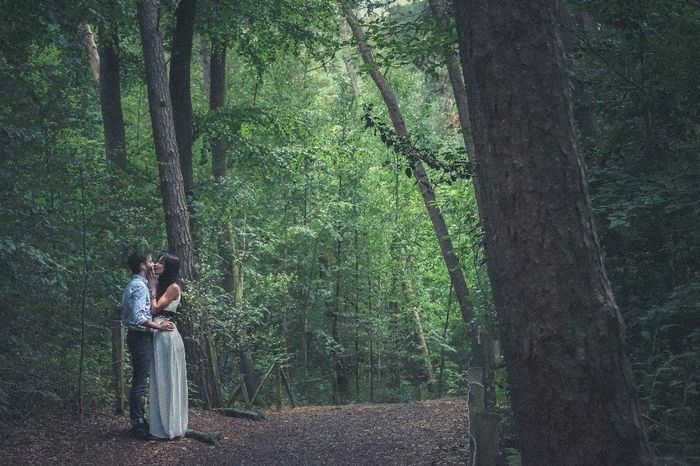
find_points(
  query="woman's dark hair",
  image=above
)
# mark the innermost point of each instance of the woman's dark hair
(171, 272)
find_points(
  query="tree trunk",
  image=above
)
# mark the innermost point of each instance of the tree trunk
(371, 339)
(91, 47)
(232, 271)
(585, 116)
(455, 74)
(339, 379)
(426, 190)
(444, 343)
(422, 345)
(345, 55)
(172, 191)
(570, 380)
(110, 99)
(217, 99)
(205, 61)
(180, 60)
(232, 267)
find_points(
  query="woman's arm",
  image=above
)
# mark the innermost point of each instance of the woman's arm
(168, 297)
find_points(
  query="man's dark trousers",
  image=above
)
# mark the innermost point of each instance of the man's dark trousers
(140, 346)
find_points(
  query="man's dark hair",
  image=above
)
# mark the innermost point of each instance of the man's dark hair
(135, 260)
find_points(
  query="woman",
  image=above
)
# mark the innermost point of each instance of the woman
(168, 387)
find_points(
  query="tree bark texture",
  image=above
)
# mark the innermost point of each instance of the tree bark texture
(110, 99)
(439, 226)
(171, 182)
(571, 383)
(180, 62)
(217, 100)
(91, 47)
(173, 194)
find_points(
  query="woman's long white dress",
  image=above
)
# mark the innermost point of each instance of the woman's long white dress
(167, 393)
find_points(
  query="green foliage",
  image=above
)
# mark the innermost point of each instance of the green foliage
(640, 66)
(453, 165)
(331, 235)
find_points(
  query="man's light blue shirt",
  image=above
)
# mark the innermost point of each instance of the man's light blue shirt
(136, 303)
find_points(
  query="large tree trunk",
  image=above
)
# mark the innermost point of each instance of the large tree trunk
(110, 98)
(177, 229)
(180, 60)
(570, 380)
(439, 226)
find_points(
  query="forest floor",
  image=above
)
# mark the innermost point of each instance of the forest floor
(424, 433)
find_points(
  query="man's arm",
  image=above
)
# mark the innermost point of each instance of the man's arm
(133, 303)
(137, 302)
(163, 326)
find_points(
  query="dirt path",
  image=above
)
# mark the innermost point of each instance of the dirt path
(432, 432)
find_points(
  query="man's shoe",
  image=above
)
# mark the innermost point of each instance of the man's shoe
(141, 431)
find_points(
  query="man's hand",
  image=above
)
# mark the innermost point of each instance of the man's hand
(166, 326)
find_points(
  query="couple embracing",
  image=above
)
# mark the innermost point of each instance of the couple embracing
(149, 303)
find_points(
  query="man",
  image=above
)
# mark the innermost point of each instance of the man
(136, 316)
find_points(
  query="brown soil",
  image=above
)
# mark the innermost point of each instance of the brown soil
(431, 432)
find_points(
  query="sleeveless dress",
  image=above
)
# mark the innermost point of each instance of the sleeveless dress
(167, 393)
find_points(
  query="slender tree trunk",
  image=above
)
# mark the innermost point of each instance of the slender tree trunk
(339, 378)
(454, 72)
(177, 229)
(345, 55)
(83, 294)
(205, 61)
(232, 271)
(307, 276)
(570, 381)
(422, 345)
(231, 264)
(91, 47)
(180, 60)
(217, 100)
(356, 330)
(371, 339)
(395, 330)
(444, 342)
(110, 98)
(426, 190)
